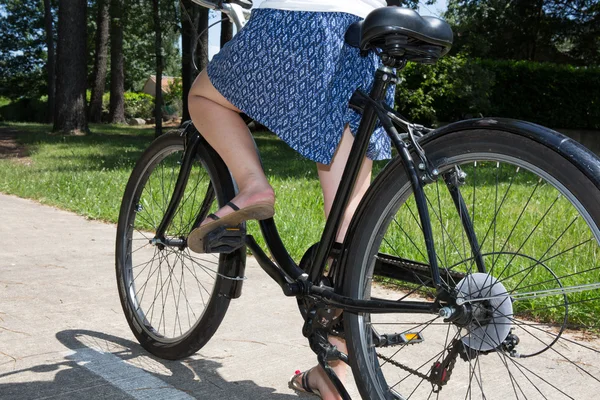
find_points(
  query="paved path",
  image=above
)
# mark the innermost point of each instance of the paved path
(63, 335)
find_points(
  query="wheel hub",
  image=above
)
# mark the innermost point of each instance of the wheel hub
(490, 320)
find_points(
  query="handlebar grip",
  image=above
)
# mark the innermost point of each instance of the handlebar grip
(217, 4)
(247, 4)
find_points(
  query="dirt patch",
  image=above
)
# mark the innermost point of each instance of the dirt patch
(10, 147)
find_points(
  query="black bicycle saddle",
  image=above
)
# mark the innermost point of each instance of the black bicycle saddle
(403, 33)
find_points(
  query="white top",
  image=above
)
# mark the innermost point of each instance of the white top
(356, 7)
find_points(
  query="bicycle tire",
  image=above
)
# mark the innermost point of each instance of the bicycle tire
(537, 219)
(173, 299)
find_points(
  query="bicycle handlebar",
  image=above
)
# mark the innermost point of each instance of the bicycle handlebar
(236, 12)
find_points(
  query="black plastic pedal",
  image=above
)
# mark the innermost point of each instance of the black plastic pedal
(225, 239)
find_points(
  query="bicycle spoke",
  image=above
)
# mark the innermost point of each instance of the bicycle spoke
(540, 256)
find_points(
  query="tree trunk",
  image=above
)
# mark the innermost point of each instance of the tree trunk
(70, 112)
(159, 69)
(100, 61)
(226, 30)
(189, 20)
(117, 75)
(202, 40)
(51, 64)
(535, 36)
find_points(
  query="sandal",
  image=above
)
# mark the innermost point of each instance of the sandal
(303, 386)
(258, 211)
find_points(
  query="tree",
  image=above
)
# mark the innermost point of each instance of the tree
(70, 115)
(51, 64)
(189, 20)
(117, 74)
(202, 40)
(22, 49)
(536, 30)
(138, 41)
(194, 40)
(100, 60)
(226, 30)
(159, 68)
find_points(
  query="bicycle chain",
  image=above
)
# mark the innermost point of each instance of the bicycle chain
(404, 367)
(432, 378)
(416, 267)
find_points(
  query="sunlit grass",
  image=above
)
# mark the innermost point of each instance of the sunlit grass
(88, 174)
(531, 238)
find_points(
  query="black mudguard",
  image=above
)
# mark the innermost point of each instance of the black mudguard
(574, 152)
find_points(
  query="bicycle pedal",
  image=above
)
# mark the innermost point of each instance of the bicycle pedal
(225, 239)
(399, 339)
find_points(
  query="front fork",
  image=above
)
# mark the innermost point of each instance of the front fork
(192, 140)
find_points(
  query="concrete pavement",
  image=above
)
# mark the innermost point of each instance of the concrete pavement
(63, 334)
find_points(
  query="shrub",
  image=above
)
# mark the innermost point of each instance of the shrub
(25, 110)
(173, 104)
(138, 105)
(559, 96)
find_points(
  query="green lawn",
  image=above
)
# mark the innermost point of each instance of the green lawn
(88, 174)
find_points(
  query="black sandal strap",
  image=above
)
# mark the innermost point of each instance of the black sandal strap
(233, 206)
(213, 216)
(305, 382)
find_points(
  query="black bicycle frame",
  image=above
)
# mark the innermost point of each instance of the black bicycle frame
(295, 281)
(292, 279)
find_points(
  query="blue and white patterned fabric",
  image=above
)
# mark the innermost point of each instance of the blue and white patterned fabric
(292, 72)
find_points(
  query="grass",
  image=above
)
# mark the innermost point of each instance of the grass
(88, 174)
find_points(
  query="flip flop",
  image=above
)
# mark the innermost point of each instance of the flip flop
(302, 387)
(258, 211)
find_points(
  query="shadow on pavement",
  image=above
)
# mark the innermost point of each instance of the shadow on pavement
(101, 366)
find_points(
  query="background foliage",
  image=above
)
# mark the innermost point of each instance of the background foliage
(528, 59)
(458, 87)
(559, 31)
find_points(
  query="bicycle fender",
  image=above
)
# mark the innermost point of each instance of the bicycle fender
(577, 154)
(581, 157)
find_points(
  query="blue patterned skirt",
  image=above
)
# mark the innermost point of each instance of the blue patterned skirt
(292, 72)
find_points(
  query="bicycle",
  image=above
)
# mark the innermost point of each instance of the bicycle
(469, 269)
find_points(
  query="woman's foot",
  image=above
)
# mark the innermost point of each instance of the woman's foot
(247, 205)
(316, 380)
(246, 198)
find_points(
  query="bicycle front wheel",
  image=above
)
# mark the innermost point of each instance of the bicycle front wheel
(171, 296)
(531, 329)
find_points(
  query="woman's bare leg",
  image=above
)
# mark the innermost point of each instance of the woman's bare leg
(221, 125)
(330, 176)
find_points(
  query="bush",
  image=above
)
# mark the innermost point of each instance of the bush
(138, 105)
(25, 110)
(558, 96)
(173, 104)
(454, 88)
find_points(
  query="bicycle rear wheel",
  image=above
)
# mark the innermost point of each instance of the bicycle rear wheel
(172, 298)
(533, 331)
